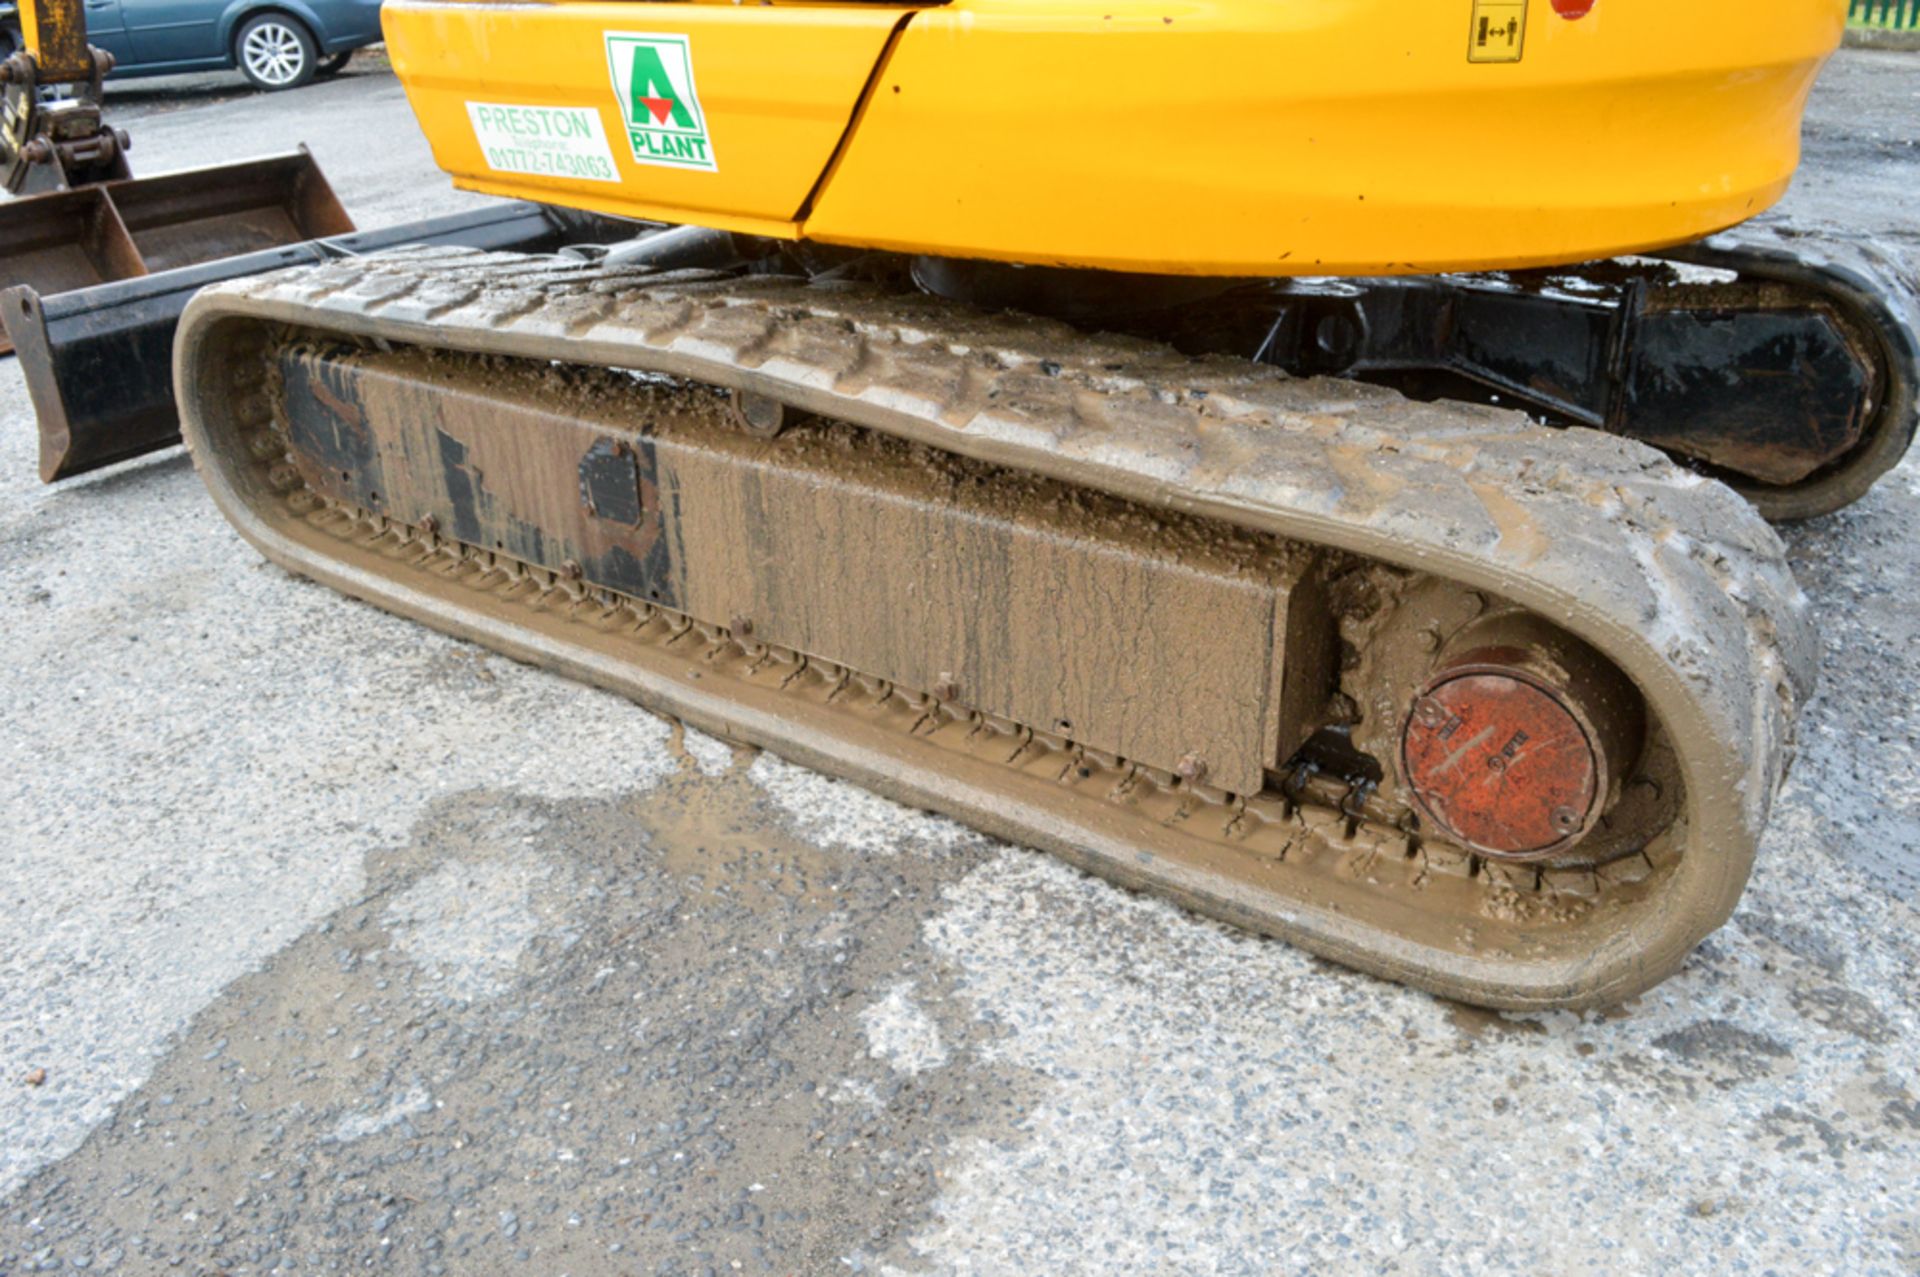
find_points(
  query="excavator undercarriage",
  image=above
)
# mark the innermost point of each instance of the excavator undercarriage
(1484, 706)
(1200, 444)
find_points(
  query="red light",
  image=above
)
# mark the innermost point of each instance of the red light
(1571, 9)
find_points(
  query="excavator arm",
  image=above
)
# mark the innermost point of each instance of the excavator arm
(56, 39)
(53, 136)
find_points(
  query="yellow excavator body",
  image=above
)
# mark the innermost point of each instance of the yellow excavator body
(1235, 137)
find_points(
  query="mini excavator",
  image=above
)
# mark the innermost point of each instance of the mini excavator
(1311, 460)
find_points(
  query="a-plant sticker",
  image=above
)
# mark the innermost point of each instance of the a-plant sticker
(653, 78)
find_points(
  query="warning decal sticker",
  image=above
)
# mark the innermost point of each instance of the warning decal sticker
(653, 78)
(544, 141)
(1499, 31)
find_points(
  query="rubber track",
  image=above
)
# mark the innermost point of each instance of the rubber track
(1865, 279)
(1674, 577)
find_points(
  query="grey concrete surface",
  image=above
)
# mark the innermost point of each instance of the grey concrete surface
(345, 946)
(1880, 38)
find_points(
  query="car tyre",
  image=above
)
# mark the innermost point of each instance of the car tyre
(333, 65)
(275, 51)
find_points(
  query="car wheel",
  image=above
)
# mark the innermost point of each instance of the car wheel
(275, 51)
(333, 65)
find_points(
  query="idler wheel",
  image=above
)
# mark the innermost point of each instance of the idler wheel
(1517, 751)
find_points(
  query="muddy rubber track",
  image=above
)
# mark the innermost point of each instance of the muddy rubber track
(1674, 578)
(1855, 273)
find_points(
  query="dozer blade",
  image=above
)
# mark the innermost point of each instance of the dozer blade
(66, 244)
(59, 241)
(94, 331)
(1488, 708)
